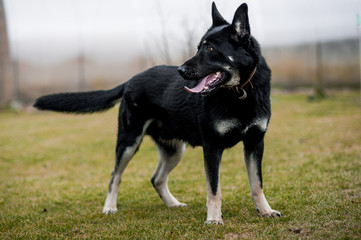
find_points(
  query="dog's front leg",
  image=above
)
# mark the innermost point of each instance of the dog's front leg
(253, 153)
(212, 161)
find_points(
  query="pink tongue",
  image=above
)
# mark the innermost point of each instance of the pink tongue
(200, 86)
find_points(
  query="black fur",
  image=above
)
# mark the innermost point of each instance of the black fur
(83, 102)
(158, 94)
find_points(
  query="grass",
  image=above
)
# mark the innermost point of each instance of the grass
(55, 168)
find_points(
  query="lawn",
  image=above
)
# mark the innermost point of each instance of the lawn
(55, 168)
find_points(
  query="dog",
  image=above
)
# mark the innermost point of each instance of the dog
(219, 97)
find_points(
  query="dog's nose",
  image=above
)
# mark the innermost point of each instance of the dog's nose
(182, 70)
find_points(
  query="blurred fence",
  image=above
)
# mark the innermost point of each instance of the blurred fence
(336, 62)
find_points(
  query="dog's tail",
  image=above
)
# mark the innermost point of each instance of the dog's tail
(81, 102)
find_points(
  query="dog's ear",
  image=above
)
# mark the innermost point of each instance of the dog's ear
(217, 18)
(241, 30)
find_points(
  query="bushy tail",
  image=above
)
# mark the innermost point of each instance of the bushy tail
(80, 102)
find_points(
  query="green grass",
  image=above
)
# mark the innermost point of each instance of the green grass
(55, 168)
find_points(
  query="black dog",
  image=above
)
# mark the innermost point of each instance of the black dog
(227, 101)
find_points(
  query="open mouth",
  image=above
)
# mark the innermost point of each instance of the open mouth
(208, 84)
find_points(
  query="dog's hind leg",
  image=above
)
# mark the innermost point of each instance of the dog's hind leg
(253, 154)
(170, 153)
(127, 144)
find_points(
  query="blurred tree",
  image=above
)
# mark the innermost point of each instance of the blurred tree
(6, 85)
(165, 40)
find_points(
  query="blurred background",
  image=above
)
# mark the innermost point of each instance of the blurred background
(77, 45)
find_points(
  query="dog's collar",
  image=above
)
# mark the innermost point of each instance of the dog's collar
(239, 89)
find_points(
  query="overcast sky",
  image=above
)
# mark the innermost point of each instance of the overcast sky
(53, 30)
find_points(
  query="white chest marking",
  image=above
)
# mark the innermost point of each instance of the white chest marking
(261, 123)
(224, 126)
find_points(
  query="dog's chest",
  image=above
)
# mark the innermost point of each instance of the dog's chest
(226, 126)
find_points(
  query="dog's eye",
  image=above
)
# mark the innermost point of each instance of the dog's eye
(209, 49)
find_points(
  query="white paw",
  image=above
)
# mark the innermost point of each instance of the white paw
(213, 222)
(272, 213)
(180, 205)
(108, 210)
(175, 204)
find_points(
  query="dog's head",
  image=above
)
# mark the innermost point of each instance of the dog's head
(226, 55)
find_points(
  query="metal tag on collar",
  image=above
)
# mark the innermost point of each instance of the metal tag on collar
(241, 91)
(244, 94)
